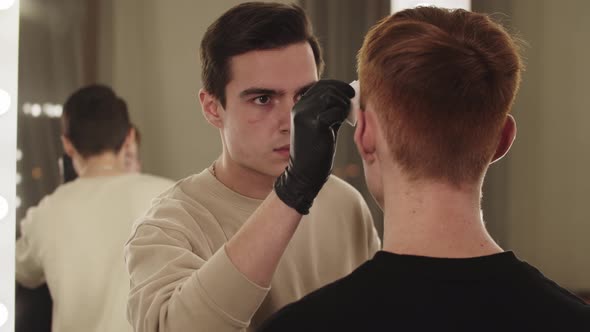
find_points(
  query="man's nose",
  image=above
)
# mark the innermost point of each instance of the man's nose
(285, 115)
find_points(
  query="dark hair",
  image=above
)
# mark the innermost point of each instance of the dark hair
(247, 27)
(95, 120)
(442, 82)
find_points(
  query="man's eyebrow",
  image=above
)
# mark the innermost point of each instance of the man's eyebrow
(303, 89)
(259, 91)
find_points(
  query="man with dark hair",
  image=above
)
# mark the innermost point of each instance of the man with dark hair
(231, 245)
(437, 87)
(73, 240)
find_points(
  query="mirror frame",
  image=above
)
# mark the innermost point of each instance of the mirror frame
(9, 31)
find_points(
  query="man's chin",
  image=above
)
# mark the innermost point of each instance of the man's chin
(277, 174)
(279, 170)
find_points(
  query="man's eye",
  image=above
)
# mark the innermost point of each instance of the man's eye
(262, 100)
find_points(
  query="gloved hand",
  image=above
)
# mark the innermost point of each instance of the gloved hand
(315, 121)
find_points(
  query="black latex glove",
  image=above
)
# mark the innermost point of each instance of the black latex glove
(315, 121)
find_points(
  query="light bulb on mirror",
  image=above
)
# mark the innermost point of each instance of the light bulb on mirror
(3, 208)
(5, 4)
(3, 314)
(4, 100)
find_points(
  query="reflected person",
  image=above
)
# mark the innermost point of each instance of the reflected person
(73, 240)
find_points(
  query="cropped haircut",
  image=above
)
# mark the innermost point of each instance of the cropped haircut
(247, 27)
(95, 120)
(442, 83)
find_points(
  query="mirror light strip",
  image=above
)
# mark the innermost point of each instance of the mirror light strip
(9, 20)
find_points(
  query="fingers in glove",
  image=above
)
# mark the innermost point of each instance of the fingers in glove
(342, 87)
(334, 98)
(333, 116)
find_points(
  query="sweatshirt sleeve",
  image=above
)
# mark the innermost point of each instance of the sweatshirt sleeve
(28, 267)
(178, 283)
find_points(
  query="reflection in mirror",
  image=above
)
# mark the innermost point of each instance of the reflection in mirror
(51, 65)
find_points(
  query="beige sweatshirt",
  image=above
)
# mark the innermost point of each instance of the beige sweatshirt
(74, 239)
(182, 279)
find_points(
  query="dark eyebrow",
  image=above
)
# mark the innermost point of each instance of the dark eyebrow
(271, 92)
(259, 91)
(303, 89)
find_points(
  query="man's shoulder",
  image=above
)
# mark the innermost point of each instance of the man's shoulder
(338, 183)
(149, 180)
(178, 191)
(154, 179)
(175, 205)
(326, 308)
(339, 198)
(548, 293)
(339, 189)
(62, 195)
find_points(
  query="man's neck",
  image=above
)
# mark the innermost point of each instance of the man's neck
(104, 164)
(435, 220)
(245, 181)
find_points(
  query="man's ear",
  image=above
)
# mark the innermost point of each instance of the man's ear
(364, 135)
(68, 146)
(131, 135)
(211, 108)
(129, 139)
(506, 138)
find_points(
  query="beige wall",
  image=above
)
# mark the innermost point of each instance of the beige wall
(538, 197)
(549, 181)
(149, 53)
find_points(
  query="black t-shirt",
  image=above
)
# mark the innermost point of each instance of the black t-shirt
(411, 293)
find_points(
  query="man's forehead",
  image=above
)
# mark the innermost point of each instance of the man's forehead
(286, 68)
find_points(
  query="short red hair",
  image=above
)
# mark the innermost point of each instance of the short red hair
(441, 82)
